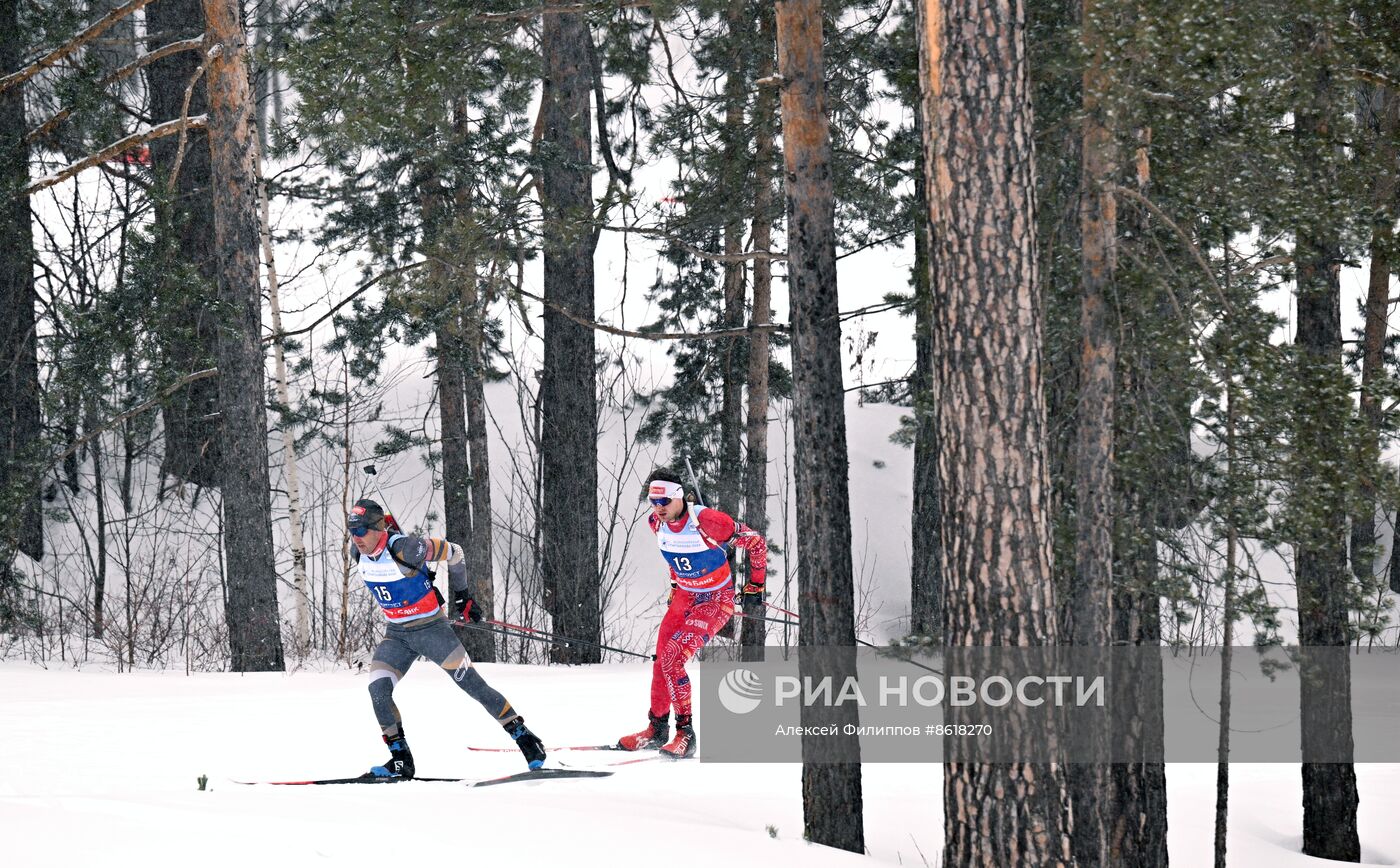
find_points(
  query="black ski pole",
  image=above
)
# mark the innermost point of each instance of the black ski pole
(695, 483)
(766, 618)
(542, 636)
(858, 641)
(393, 520)
(469, 625)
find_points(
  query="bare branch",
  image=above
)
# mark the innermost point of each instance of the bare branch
(140, 62)
(876, 243)
(696, 251)
(359, 291)
(1281, 259)
(1378, 79)
(1185, 239)
(184, 130)
(604, 140)
(651, 336)
(134, 411)
(72, 45)
(169, 128)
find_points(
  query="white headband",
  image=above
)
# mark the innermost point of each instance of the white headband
(662, 488)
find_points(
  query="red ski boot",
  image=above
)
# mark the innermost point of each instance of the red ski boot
(683, 745)
(655, 735)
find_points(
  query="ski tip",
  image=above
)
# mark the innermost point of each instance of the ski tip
(365, 779)
(539, 775)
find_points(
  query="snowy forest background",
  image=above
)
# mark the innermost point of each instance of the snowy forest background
(514, 300)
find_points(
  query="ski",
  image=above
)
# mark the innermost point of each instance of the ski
(362, 780)
(540, 774)
(562, 747)
(626, 762)
(533, 775)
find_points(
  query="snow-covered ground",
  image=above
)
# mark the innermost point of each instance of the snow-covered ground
(101, 769)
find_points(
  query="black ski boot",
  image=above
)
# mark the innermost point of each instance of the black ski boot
(527, 741)
(400, 764)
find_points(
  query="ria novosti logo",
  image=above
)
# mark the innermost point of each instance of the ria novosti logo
(740, 691)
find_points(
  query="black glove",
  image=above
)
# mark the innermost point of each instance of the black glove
(464, 606)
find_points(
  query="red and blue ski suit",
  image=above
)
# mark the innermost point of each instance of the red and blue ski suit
(695, 548)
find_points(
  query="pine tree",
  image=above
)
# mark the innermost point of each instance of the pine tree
(831, 790)
(1329, 786)
(753, 635)
(568, 384)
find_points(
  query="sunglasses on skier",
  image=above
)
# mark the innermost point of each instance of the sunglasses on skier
(360, 531)
(660, 501)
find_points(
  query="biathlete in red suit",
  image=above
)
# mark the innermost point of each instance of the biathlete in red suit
(694, 541)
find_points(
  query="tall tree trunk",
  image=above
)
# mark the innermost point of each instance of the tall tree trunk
(23, 527)
(1329, 788)
(1394, 570)
(926, 569)
(480, 568)
(264, 78)
(754, 633)
(99, 498)
(1091, 590)
(831, 791)
(1139, 830)
(1222, 763)
(480, 564)
(1138, 835)
(568, 384)
(732, 368)
(253, 622)
(445, 292)
(1384, 205)
(465, 469)
(301, 588)
(187, 329)
(990, 404)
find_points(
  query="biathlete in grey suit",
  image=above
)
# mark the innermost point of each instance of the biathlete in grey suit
(393, 567)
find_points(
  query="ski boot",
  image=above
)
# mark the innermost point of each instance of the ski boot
(527, 741)
(655, 735)
(400, 764)
(683, 745)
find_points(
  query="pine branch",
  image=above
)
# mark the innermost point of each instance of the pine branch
(83, 38)
(169, 128)
(527, 14)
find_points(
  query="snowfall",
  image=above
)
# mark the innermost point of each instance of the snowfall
(104, 768)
